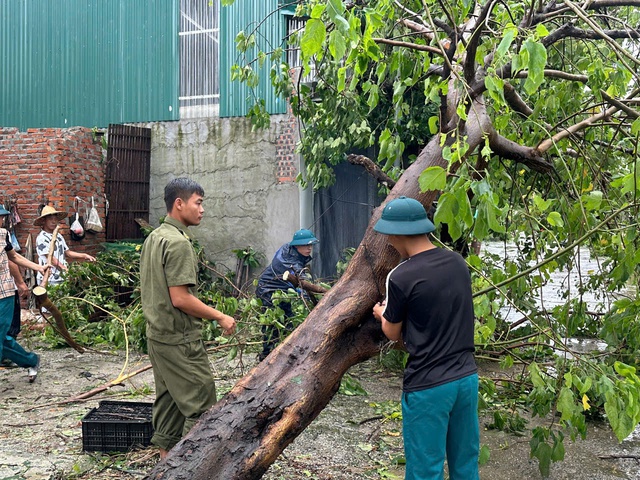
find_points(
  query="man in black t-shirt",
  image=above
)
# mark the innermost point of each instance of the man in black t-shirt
(429, 307)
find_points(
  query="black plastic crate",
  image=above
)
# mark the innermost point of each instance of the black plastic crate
(117, 426)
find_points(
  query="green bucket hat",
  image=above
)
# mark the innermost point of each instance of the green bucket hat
(404, 216)
(3, 211)
(303, 237)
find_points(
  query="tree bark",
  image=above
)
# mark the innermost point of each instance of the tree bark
(244, 433)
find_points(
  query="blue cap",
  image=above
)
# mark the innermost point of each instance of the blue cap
(404, 216)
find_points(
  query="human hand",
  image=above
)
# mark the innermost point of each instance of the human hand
(228, 324)
(378, 308)
(23, 290)
(43, 268)
(89, 258)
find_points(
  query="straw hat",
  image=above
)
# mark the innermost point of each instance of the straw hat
(46, 211)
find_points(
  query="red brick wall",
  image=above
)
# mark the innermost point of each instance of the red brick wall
(52, 166)
(286, 157)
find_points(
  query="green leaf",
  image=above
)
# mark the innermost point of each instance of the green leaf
(625, 370)
(541, 31)
(335, 7)
(373, 97)
(433, 124)
(541, 203)
(592, 200)
(447, 209)
(537, 60)
(566, 405)
(335, 10)
(337, 45)
(543, 453)
(495, 87)
(318, 10)
(555, 219)
(433, 178)
(557, 452)
(508, 36)
(342, 73)
(485, 454)
(313, 37)
(465, 215)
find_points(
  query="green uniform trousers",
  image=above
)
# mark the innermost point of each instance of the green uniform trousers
(184, 389)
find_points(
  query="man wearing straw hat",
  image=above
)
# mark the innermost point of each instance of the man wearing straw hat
(48, 220)
(9, 348)
(429, 307)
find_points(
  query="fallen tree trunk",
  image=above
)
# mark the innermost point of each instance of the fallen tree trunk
(244, 433)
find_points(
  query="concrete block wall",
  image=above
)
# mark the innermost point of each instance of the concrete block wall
(251, 198)
(52, 166)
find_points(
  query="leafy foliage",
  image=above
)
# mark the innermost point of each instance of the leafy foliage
(100, 303)
(557, 172)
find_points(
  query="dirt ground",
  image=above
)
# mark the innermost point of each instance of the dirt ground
(42, 439)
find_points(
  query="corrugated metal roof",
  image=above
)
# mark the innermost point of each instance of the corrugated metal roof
(235, 97)
(88, 62)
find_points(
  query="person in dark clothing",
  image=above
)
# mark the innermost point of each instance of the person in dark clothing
(292, 257)
(22, 292)
(429, 307)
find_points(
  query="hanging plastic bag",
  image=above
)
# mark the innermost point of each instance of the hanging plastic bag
(15, 216)
(93, 224)
(14, 241)
(76, 228)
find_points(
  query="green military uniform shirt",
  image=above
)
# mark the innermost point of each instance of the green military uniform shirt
(168, 260)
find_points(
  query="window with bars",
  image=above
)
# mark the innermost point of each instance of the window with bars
(199, 58)
(295, 27)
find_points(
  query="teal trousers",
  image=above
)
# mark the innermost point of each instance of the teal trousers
(438, 423)
(9, 348)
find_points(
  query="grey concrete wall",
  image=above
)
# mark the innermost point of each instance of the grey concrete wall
(244, 203)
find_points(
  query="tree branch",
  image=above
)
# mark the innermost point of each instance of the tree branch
(555, 74)
(514, 151)
(617, 103)
(469, 67)
(371, 167)
(548, 143)
(418, 28)
(610, 41)
(409, 45)
(515, 100)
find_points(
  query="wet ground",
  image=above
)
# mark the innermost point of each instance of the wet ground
(351, 439)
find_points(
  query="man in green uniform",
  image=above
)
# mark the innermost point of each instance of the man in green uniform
(185, 388)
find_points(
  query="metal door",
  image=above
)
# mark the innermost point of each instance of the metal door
(127, 180)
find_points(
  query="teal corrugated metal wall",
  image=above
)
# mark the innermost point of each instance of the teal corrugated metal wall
(88, 62)
(235, 97)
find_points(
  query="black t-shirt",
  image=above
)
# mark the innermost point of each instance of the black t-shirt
(430, 293)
